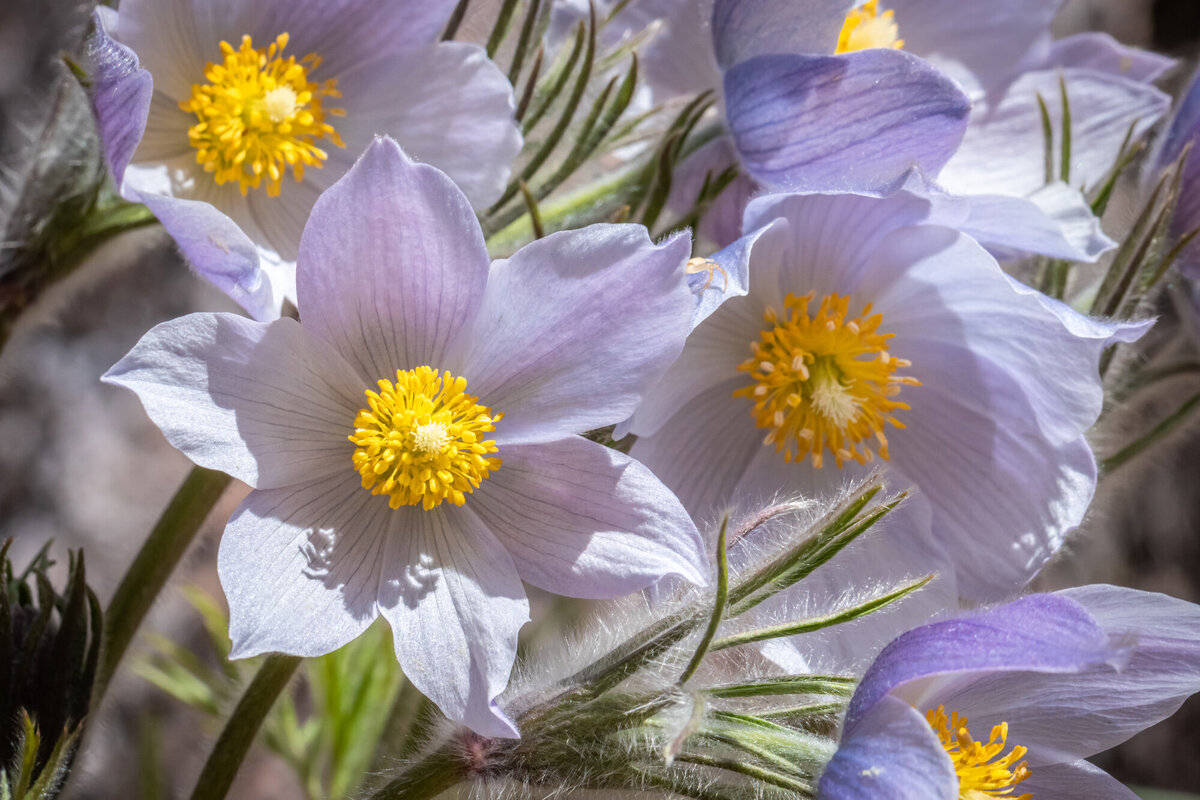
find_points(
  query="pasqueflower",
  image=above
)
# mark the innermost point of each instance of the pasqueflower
(228, 119)
(999, 53)
(1008, 702)
(870, 337)
(412, 442)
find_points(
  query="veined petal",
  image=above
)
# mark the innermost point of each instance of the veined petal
(392, 264)
(1004, 149)
(853, 122)
(575, 327)
(892, 754)
(702, 450)
(1100, 52)
(300, 566)
(268, 404)
(121, 92)
(584, 520)
(742, 29)
(1098, 708)
(976, 44)
(712, 352)
(452, 109)
(1040, 633)
(455, 603)
(1076, 781)
(216, 248)
(1054, 221)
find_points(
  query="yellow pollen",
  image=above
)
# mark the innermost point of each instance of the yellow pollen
(420, 439)
(824, 382)
(982, 771)
(865, 28)
(259, 114)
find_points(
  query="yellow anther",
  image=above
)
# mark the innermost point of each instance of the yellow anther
(259, 114)
(983, 772)
(865, 29)
(824, 382)
(419, 440)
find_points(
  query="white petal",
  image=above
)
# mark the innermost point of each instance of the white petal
(265, 403)
(301, 566)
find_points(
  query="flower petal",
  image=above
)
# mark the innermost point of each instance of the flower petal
(976, 44)
(1076, 781)
(1098, 708)
(712, 352)
(215, 247)
(1099, 52)
(1054, 221)
(584, 520)
(455, 603)
(893, 754)
(1040, 633)
(742, 29)
(575, 327)
(121, 92)
(1003, 151)
(392, 264)
(453, 109)
(702, 451)
(268, 404)
(300, 566)
(853, 122)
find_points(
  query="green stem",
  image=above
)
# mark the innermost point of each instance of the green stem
(153, 565)
(235, 740)
(426, 779)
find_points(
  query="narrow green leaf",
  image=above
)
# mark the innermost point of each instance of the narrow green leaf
(1065, 166)
(1048, 138)
(749, 770)
(792, 684)
(500, 29)
(556, 81)
(817, 623)
(527, 27)
(1121, 272)
(456, 18)
(530, 84)
(1126, 155)
(531, 207)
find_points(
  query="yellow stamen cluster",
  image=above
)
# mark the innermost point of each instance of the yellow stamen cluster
(824, 381)
(420, 441)
(982, 771)
(865, 28)
(259, 114)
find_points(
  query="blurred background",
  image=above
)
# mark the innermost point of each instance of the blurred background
(82, 465)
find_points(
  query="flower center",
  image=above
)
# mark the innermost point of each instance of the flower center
(259, 114)
(420, 440)
(982, 771)
(824, 382)
(865, 28)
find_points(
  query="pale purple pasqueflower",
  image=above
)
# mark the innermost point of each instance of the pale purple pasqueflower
(229, 119)
(477, 479)
(1008, 702)
(870, 337)
(802, 112)
(999, 53)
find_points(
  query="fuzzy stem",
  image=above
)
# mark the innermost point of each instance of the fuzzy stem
(427, 778)
(148, 573)
(235, 740)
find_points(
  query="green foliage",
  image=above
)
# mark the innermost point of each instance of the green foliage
(327, 730)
